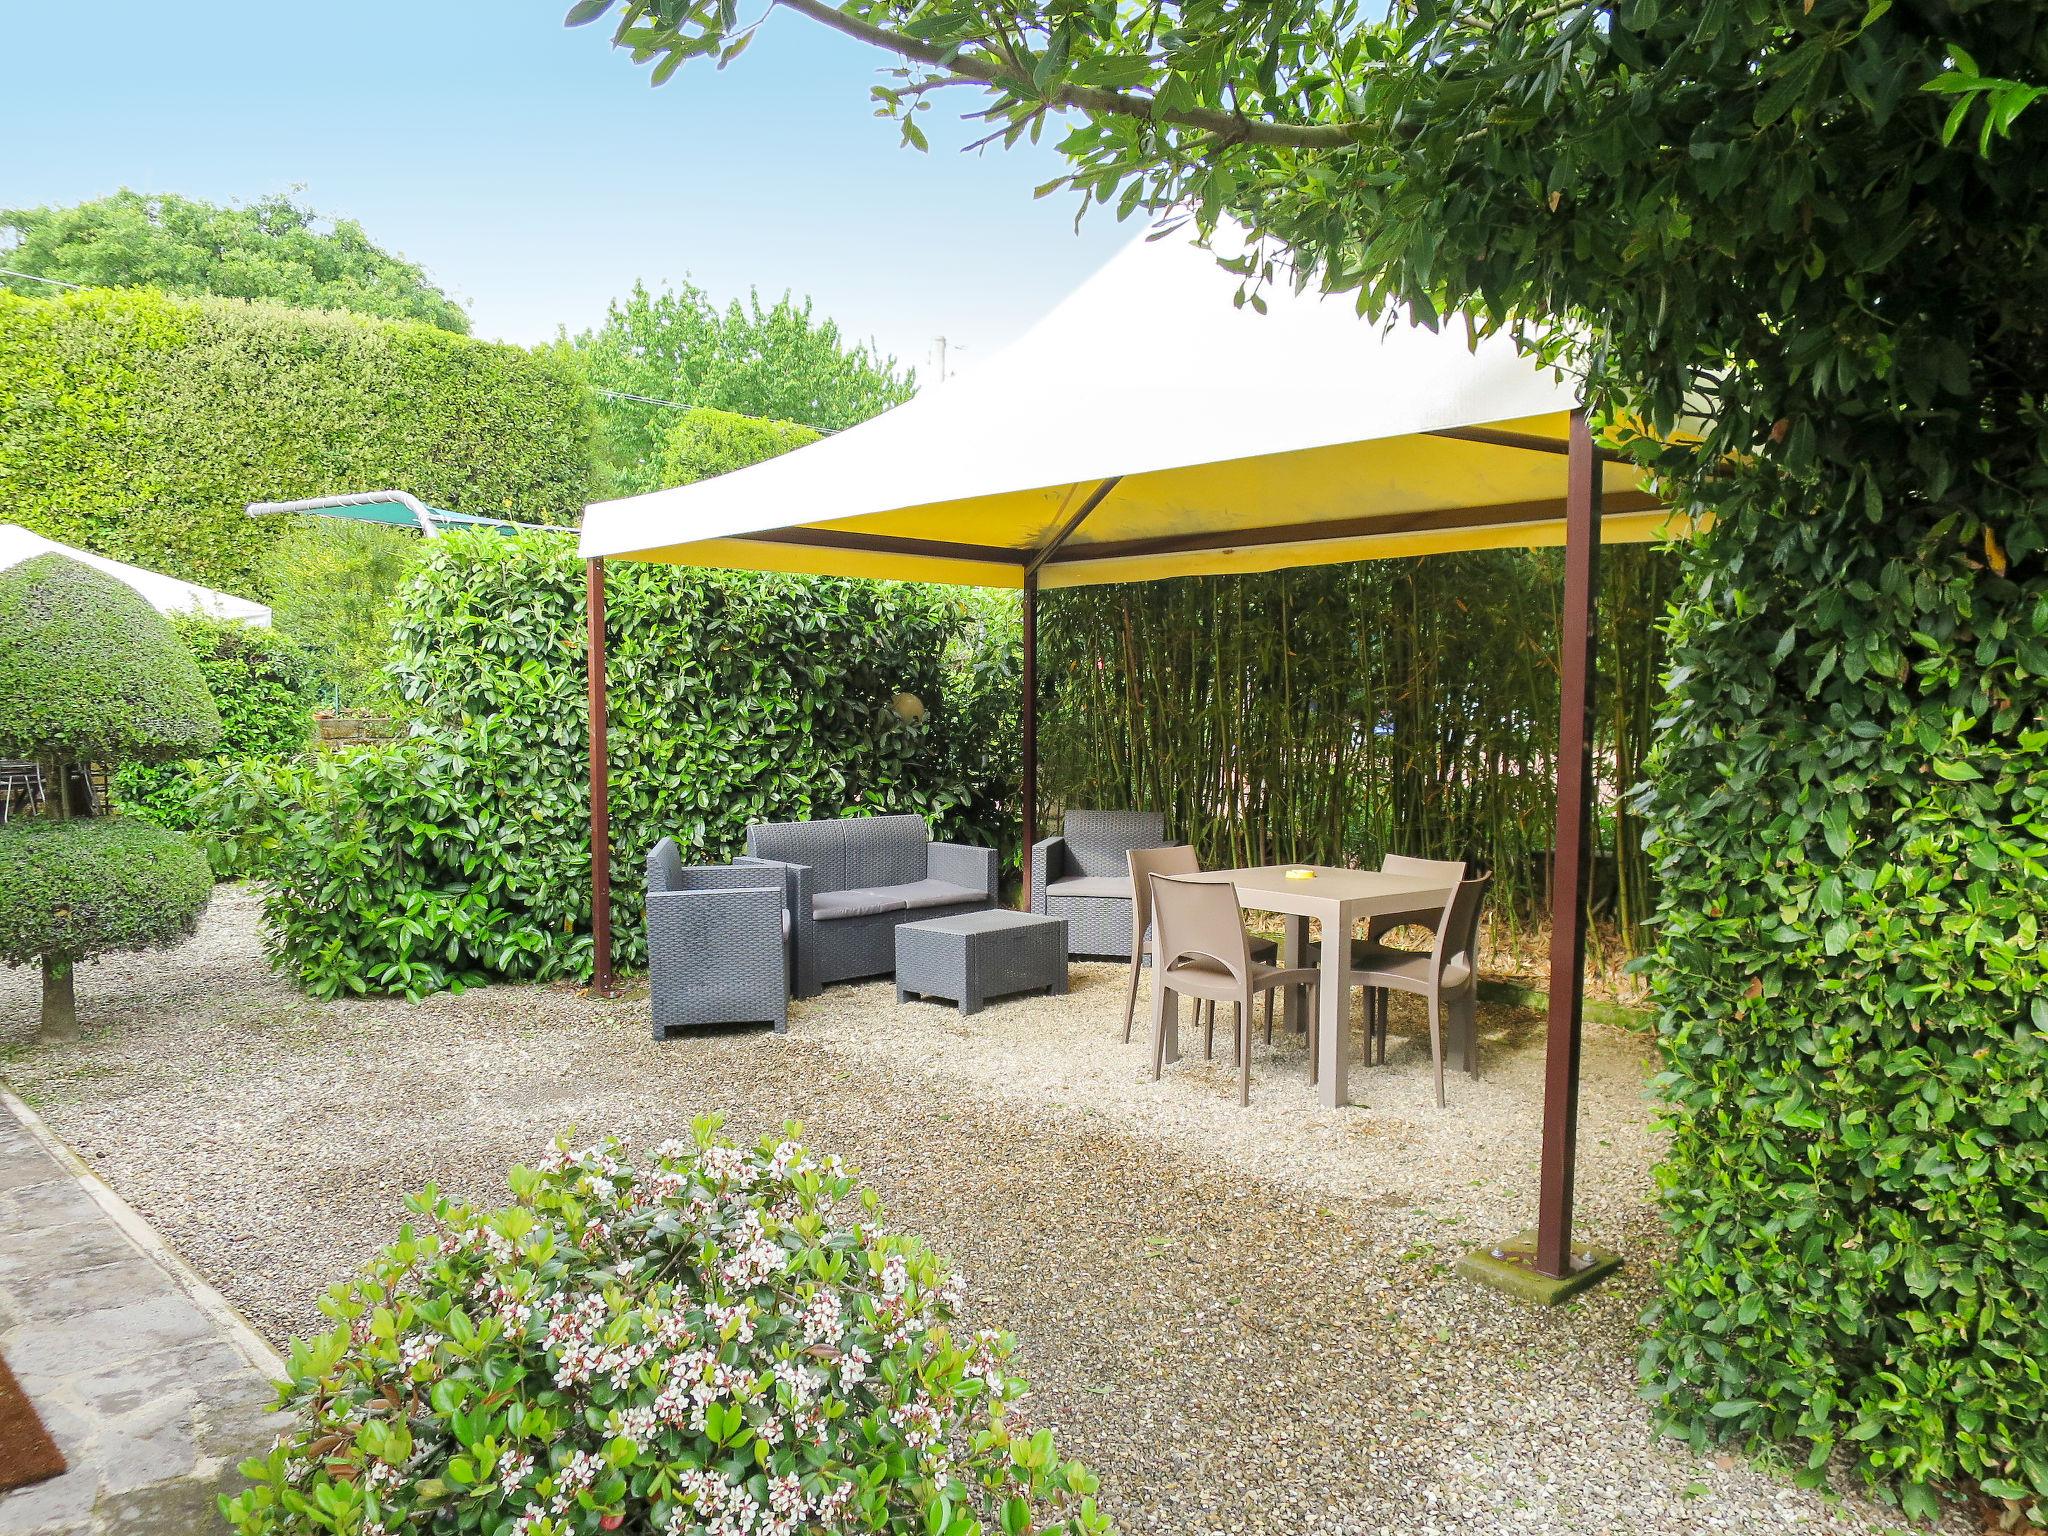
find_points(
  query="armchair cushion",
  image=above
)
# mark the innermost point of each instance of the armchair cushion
(1097, 886)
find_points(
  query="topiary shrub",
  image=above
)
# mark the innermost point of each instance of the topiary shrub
(715, 1340)
(90, 673)
(70, 890)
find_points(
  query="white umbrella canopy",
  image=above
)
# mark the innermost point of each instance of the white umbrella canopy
(164, 593)
(1237, 441)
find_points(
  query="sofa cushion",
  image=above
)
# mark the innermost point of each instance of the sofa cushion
(1091, 885)
(863, 902)
(882, 851)
(920, 894)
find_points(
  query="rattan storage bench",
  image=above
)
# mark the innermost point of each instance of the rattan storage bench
(975, 957)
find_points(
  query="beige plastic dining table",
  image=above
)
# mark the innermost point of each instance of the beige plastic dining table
(1338, 899)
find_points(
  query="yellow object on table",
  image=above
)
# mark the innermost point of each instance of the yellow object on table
(1301, 874)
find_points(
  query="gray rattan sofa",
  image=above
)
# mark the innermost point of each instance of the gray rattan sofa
(850, 882)
(717, 944)
(1084, 876)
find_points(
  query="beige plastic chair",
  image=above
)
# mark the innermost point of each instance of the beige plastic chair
(1181, 860)
(1450, 871)
(1200, 950)
(1448, 976)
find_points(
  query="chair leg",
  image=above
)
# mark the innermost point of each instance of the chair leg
(1161, 993)
(1131, 993)
(1244, 1063)
(1466, 1011)
(1208, 1031)
(1313, 996)
(1436, 1044)
(1269, 1013)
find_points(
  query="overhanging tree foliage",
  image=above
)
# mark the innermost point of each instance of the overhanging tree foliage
(1819, 225)
(676, 347)
(274, 248)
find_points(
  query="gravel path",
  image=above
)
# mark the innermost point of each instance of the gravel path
(1243, 1319)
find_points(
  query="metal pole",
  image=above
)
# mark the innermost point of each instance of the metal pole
(1572, 858)
(600, 789)
(1028, 719)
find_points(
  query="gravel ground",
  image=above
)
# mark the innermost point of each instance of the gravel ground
(1244, 1319)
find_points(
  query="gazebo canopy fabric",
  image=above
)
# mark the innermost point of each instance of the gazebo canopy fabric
(164, 593)
(1236, 441)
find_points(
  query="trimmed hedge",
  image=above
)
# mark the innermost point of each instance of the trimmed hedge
(463, 852)
(1849, 803)
(74, 889)
(90, 673)
(139, 426)
(262, 683)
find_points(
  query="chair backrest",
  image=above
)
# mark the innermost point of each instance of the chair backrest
(664, 866)
(1098, 841)
(1457, 936)
(849, 854)
(1192, 918)
(1444, 869)
(1147, 862)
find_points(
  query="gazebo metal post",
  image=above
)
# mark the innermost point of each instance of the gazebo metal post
(600, 788)
(1027, 710)
(1572, 856)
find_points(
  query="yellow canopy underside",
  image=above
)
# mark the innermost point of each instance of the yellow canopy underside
(1494, 487)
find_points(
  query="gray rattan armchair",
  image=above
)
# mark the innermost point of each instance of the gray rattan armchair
(717, 944)
(850, 883)
(1084, 876)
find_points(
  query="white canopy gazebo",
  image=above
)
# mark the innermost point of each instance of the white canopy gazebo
(1151, 427)
(164, 593)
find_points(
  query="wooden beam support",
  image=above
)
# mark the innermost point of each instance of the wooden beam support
(1527, 441)
(1027, 710)
(600, 786)
(1067, 529)
(1571, 856)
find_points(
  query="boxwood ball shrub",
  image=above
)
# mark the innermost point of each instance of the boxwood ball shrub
(708, 1340)
(70, 890)
(90, 673)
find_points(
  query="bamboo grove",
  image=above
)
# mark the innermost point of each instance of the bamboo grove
(1345, 712)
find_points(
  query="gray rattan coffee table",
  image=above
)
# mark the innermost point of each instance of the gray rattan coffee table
(975, 956)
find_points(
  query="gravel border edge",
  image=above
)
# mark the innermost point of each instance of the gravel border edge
(133, 1226)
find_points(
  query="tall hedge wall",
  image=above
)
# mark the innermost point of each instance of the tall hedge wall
(1849, 804)
(463, 852)
(139, 426)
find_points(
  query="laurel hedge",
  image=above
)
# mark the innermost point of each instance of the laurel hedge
(462, 853)
(262, 682)
(139, 426)
(1849, 804)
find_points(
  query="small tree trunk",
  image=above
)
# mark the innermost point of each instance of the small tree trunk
(60, 1011)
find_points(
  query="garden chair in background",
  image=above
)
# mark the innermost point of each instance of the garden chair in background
(1447, 976)
(21, 790)
(1200, 950)
(717, 943)
(1084, 876)
(1178, 859)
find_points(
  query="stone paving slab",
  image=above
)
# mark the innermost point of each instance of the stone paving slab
(150, 1384)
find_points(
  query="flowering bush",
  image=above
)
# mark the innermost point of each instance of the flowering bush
(718, 1341)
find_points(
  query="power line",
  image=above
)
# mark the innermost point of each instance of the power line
(31, 277)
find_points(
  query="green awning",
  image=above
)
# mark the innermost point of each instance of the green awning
(395, 509)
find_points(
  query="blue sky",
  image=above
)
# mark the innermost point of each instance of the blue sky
(532, 170)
